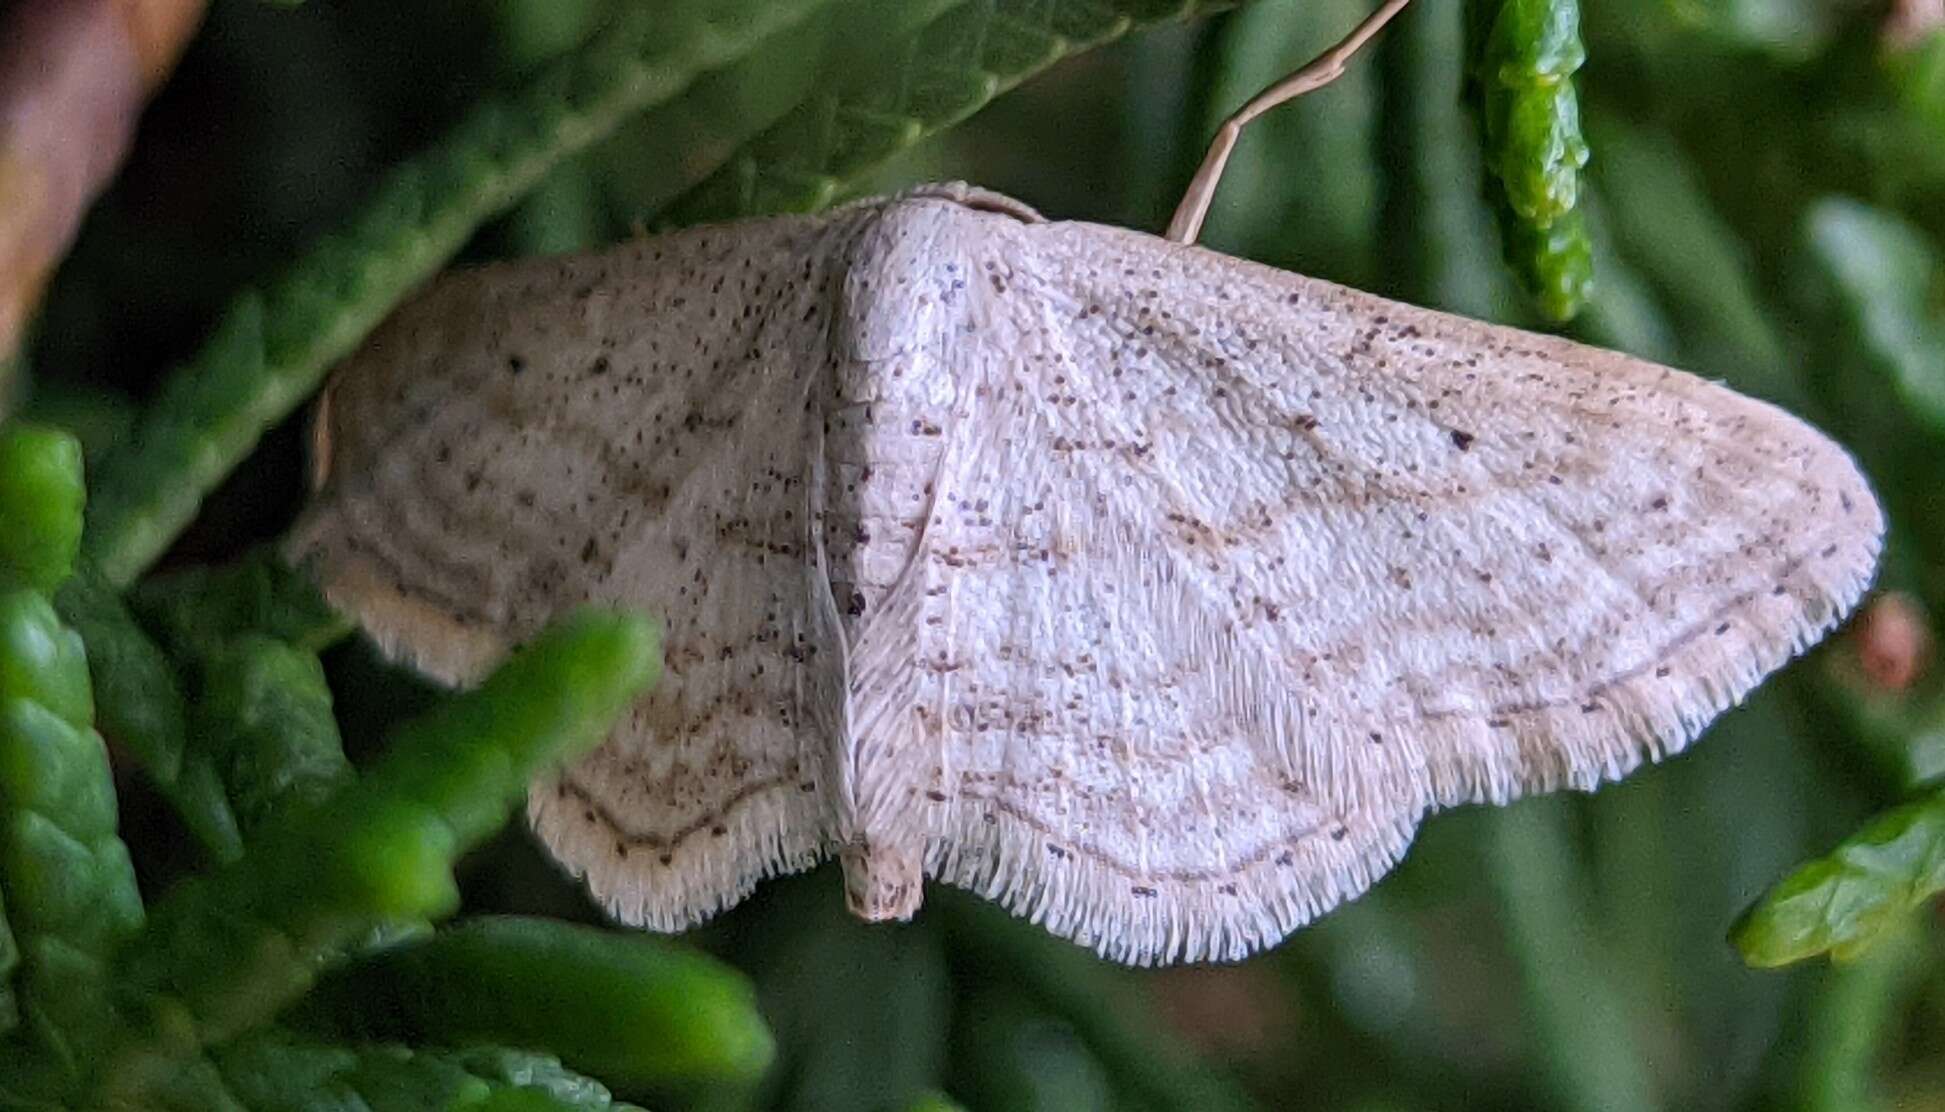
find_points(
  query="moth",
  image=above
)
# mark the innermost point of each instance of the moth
(1153, 593)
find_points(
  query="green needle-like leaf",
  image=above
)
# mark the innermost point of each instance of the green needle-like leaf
(636, 1011)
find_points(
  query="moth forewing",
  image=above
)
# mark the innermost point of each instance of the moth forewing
(1153, 593)
(636, 428)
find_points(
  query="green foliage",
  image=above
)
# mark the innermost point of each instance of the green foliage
(1007, 1054)
(1843, 902)
(1437, 170)
(67, 886)
(141, 705)
(265, 719)
(1528, 53)
(296, 965)
(102, 1005)
(1919, 72)
(276, 1071)
(640, 1013)
(1146, 1067)
(40, 504)
(197, 610)
(907, 88)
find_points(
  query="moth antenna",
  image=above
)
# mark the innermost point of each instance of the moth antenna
(1186, 226)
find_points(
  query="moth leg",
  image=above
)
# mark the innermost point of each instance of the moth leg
(1327, 67)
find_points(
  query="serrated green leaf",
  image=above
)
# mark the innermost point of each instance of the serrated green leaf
(42, 660)
(278, 1071)
(916, 86)
(65, 877)
(1535, 42)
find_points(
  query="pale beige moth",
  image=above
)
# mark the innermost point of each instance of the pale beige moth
(1154, 593)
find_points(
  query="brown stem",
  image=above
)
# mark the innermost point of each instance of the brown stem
(1186, 227)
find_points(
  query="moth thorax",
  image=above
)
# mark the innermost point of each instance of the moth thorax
(884, 459)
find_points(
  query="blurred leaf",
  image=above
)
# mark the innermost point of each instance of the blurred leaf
(1302, 190)
(1147, 1067)
(1665, 225)
(1589, 1052)
(1791, 30)
(1853, 1017)
(1890, 286)
(1007, 1055)
(861, 1010)
(1918, 71)
(97, 417)
(1622, 311)
(1905, 729)
(639, 1012)
(1439, 239)
(1863, 890)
